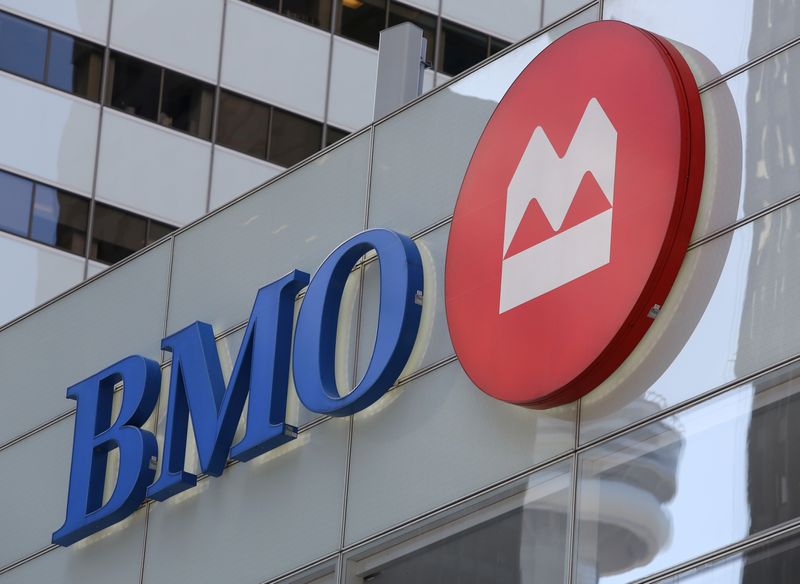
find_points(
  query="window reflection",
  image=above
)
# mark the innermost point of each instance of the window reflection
(15, 203)
(516, 535)
(243, 124)
(23, 46)
(116, 234)
(75, 66)
(690, 484)
(59, 219)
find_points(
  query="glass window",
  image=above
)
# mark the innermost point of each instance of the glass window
(156, 231)
(292, 138)
(774, 562)
(362, 20)
(243, 124)
(314, 12)
(23, 46)
(59, 219)
(268, 4)
(515, 535)
(702, 479)
(497, 45)
(75, 66)
(116, 234)
(187, 104)
(398, 14)
(15, 203)
(461, 48)
(334, 135)
(135, 86)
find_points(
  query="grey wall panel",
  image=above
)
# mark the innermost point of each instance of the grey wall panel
(437, 439)
(258, 520)
(120, 314)
(295, 222)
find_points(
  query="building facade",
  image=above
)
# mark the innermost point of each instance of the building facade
(678, 468)
(125, 119)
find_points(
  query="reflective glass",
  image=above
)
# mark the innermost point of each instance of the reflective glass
(752, 137)
(461, 48)
(776, 562)
(116, 234)
(717, 35)
(60, 219)
(74, 65)
(516, 534)
(362, 21)
(439, 438)
(15, 203)
(731, 313)
(187, 104)
(135, 86)
(23, 47)
(686, 485)
(243, 124)
(292, 138)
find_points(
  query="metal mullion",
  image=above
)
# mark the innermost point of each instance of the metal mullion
(47, 57)
(160, 96)
(269, 133)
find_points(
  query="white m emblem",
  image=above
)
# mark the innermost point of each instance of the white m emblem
(553, 181)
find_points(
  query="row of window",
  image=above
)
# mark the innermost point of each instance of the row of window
(460, 47)
(56, 59)
(60, 219)
(157, 94)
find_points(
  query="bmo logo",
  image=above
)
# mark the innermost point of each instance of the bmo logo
(574, 214)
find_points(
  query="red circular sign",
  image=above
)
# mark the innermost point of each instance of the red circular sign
(574, 214)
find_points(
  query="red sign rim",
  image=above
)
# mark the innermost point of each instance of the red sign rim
(673, 247)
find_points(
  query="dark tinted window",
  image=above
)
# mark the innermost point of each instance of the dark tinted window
(268, 4)
(15, 203)
(497, 45)
(187, 104)
(362, 20)
(134, 86)
(75, 66)
(243, 124)
(399, 14)
(292, 138)
(333, 135)
(117, 234)
(461, 48)
(314, 12)
(156, 231)
(60, 219)
(23, 46)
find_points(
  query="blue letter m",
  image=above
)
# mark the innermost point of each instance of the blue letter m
(197, 388)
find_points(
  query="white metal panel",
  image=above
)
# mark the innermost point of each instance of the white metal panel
(235, 174)
(33, 274)
(275, 59)
(40, 358)
(515, 20)
(353, 74)
(87, 18)
(151, 170)
(47, 134)
(181, 34)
